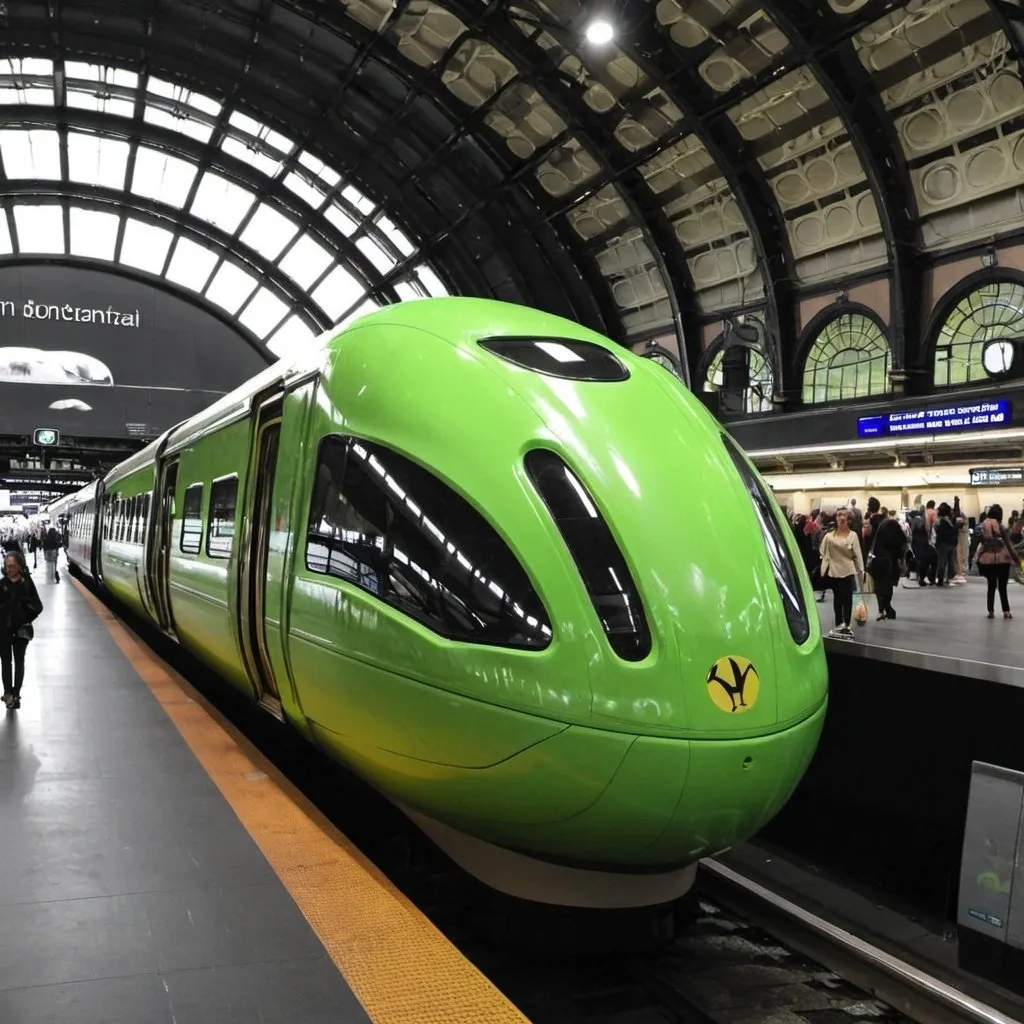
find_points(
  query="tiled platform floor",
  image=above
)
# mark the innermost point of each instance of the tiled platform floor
(944, 629)
(130, 893)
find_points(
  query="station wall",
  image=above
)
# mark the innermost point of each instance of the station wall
(98, 354)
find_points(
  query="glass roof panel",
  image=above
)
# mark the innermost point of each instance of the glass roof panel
(252, 154)
(430, 281)
(269, 231)
(93, 233)
(340, 219)
(409, 290)
(375, 254)
(92, 99)
(395, 237)
(145, 246)
(292, 337)
(191, 264)
(97, 160)
(317, 167)
(308, 193)
(162, 177)
(222, 202)
(306, 261)
(263, 313)
(230, 287)
(358, 200)
(179, 121)
(30, 154)
(5, 237)
(40, 228)
(337, 292)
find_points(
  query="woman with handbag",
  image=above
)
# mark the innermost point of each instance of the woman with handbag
(842, 564)
(19, 607)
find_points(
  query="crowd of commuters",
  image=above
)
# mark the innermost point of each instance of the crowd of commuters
(936, 544)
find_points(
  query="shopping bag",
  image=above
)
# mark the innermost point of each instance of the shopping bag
(860, 613)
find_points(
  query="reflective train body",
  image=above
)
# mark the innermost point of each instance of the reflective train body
(514, 576)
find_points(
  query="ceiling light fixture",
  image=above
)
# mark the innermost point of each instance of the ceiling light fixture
(600, 31)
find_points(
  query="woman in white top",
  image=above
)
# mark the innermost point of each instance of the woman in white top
(841, 562)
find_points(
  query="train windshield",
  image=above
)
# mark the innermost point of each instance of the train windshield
(786, 577)
(559, 357)
(598, 557)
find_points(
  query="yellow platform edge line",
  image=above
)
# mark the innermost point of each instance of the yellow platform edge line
(400, 967)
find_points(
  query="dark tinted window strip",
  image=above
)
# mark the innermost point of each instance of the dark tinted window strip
(787, 578)
(389, 526)
(567, 358)
(601, 563)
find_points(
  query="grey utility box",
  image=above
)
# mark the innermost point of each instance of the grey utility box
(992, 871)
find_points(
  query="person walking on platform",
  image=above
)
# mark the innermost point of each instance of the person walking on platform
(995, 557)
(841, 564)
(51, 548)
(885, 563)
(19, 608)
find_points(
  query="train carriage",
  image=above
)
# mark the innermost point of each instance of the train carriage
(513, 575)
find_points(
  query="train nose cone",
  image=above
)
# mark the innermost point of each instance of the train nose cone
(734, 650)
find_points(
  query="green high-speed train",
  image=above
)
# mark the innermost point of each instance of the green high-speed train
(511, 574)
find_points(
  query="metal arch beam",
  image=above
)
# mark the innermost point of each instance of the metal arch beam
(849, 86)
(99, 198)
(538, 70)
(1010, 16)
(125, 49)
(655, 56)
(272, 113)
(423, 83)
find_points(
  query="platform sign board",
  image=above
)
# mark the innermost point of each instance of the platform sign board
(989, 871)
(986, 414)
(92, 353)
(997, 476)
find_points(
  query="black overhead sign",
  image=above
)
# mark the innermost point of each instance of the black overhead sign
(997, 476)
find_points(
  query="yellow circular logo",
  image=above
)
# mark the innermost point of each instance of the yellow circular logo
(733, 684)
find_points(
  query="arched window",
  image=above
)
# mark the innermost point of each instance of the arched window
(758, 397)
(989, 313)
(849, 359)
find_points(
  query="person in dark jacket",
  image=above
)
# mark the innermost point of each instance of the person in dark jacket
(945, 545)
(886, 557)
(51, 549)
(925, 559)
(19, 608)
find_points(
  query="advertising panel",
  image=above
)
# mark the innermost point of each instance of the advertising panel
(94, 354)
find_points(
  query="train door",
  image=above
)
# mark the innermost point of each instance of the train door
(254, 555)
(161, 540)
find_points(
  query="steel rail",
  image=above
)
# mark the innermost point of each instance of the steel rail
(948, 998)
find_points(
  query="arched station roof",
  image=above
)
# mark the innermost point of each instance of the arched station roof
(298, 160)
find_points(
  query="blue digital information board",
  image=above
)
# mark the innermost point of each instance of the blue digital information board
(941, 419)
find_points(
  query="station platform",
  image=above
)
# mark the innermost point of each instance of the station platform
(156, 869)
(940, 629)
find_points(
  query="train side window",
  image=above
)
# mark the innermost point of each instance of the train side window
(146, 503)
(384, 523)
(192, 520)
(220, 527)
(133, 520)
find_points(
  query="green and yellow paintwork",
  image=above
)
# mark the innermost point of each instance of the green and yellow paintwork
(569, 752)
